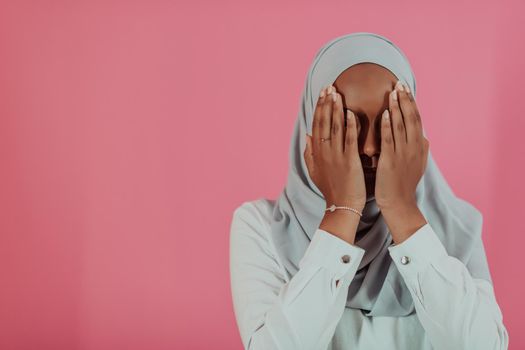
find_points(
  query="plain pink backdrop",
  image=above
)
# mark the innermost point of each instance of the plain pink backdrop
(131, 130)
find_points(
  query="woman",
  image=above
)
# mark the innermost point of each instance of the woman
(367, 247)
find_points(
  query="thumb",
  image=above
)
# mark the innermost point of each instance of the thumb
(308, 157)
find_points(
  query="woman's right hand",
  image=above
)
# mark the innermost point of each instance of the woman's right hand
(334, 165)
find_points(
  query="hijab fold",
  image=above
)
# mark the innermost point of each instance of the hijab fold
(377, 288)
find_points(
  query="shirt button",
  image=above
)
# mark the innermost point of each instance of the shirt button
(345, 258)
(405, 260)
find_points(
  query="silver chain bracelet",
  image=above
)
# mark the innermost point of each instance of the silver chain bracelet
(332, 208)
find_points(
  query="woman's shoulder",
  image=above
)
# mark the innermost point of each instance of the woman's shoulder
(251, 240)
(251, 222)
(258, 210)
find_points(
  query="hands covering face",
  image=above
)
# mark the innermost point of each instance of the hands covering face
(333, 149)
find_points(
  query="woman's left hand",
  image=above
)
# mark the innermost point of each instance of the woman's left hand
(404, 151)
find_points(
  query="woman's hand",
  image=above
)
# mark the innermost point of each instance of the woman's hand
(404, 152)
(334, 165)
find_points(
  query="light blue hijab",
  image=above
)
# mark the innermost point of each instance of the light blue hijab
(377, 288)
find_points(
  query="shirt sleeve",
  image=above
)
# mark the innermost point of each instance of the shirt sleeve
(301, 313)
(456, 310)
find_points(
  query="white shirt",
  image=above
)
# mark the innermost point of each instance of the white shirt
(453, 310)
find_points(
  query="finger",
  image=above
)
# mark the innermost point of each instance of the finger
(317, 113)
(350, 143)
(308, 155)
(419, 123)
(325, 125)
(409, 116)
(387, 139)
(396, 119)
(325, 120)
(337, 125)
(317, 119)
(409, 92)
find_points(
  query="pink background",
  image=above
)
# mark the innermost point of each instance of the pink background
(131, 130)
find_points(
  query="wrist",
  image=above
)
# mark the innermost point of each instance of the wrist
(341, 223)
(399, 209)
(403, 221)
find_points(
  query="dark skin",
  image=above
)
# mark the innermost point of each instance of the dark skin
(383, 133)
(364, 89)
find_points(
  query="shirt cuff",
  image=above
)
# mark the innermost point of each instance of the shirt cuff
(333, 253)
(416, 252)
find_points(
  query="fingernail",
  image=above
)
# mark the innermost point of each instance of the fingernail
(399, 85)
(322, 92)
(334, 96)
(394, 95)
(386, 115)
(407, 89)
